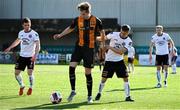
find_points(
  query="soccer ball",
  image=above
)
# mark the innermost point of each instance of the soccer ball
(56, 97)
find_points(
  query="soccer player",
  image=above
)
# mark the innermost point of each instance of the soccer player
(114, 61)
(131, 55)
(160, 40)
(29, 49)
(173, 58)
(86, 25)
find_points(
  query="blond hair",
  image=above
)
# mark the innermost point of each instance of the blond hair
(159, 26)
(84, 6)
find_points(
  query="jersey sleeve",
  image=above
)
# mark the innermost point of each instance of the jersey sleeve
(36, 37)
(99, 24)
(19, 35)
(168, 37)
(175, 49)
(134, 50)
(128, 44)
(74, 23)
(110, 35)
(152, 39)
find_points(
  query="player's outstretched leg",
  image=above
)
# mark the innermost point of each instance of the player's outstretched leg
(174, 68)
(19, 79)
(101, 86)
(72, 79)
(132, 68)
(31, 81)
(129, 68)
(165, 75)
(89, 82)
(71, 96)
(158, 79)
(127, 90)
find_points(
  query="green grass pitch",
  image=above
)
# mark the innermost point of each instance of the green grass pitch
(49, 78)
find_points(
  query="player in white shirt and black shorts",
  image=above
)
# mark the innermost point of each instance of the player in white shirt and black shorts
(131, 55)
(29, 49)
(114, 61)
(160, 40)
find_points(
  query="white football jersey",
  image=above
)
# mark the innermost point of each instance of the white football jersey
(27, 45)
(117, 42)
(161, 43)
(131, 52)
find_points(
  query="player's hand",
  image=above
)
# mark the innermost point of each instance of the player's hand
(7, 50)
(56, 36)
(150, 59)
(33, 58)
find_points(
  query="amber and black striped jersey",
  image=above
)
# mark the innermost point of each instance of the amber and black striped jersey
(87, 30)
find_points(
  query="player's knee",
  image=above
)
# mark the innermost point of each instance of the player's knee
(159, 68)
(87, 71)
(30, 72)
(103, 80)
(166, 69)
(125, 79)
(71, 70)
(73, 64)
(17, 72)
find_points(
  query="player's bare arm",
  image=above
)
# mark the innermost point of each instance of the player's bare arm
(120, 51)
(102, 32)
(172, 44)
(150, 51)
(101, 38)
(37, 49)
(65, 32)
(14, 44)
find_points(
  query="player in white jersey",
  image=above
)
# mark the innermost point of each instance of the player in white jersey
(173, 58)
(29, 49)
(114, 61)
(131, 55)
(160, 40)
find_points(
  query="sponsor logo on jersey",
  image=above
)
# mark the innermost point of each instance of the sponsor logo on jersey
(160, 43)
(25, 41)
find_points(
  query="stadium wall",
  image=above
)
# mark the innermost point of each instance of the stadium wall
(142, 15)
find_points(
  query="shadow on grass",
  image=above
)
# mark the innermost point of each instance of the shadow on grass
(133, 89)
(10, 97)
(66, 105)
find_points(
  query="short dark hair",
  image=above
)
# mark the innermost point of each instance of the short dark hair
(84, 6)
(26, 20)
(125, 28)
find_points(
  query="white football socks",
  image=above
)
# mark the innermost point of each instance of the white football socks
(158, 76)
(31, 81)
(165, 75)
(132, 68)
(19, 80)
(129, 67)
(127, 89)
(174, 68)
